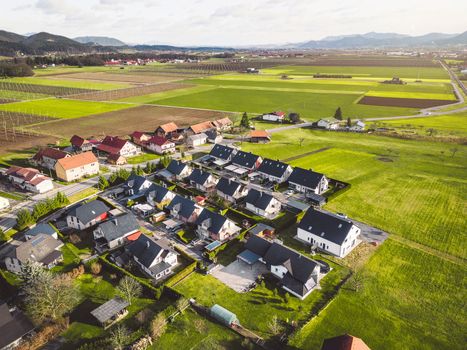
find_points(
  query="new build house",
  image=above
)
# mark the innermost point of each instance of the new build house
(274, 171)
(160, 145)
(14, 326)
(29, 179)
(221, 152)
(48, 157)
(155, 258)
(114, 232)
(77, 166)
(262, 204)
(202, 180)
(159, 196)
(86, 215)
(328, 232)
(196, 140)
(308, 181)
(246, 160)
(298, 274)
(178, 169)
(230, 190)
(116, 145)
(211, 225)
(184, 209)
(136, 185)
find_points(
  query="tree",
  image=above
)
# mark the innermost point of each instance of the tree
(274, 326)
(245, 122)
(338, 114)
(119, 336)
(128, 288)
(357, 281)
(181, 304)
(349, 122)
(300, 141)
(294, 117)
(24, 218)
(431, 132)
(50, 297)
(453, 151)
(113, 178)
(158, 326)
(103, 183)
(165, 161)
(31, 272)
(96, 268)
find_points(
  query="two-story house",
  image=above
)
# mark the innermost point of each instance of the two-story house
(86, 215)
(308, 181)
(160, 145)
(274, 170)
(223, 124)
(14, 326)
(202, 180)
(159, 196)
(211, 225)
(247, 160)
(184, 209)
(80, 144)
(230, 190)
(48, 157)
(166, 130)
(116, 145)
(77, 166)
(222, 153)
(263, 204)
(114, 232)
(29, 179)
(136, 185)
(178, 169)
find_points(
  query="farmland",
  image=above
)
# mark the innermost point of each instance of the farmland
(69, 83)
(402, 102)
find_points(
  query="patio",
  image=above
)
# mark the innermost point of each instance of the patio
(238, 275)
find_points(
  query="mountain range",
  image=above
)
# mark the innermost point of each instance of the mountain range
(99, 40)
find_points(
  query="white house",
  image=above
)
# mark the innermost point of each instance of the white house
(308, 181)
(196, 140)
(116, 145)
(4, 203)
(274, 171)
(29, 179)
(155, 258)
(230, 189)
(86, 215)
(274, 116)
(358, 125)
(211, 225)
(48, 157)
(202, 180)
(329, 123)
(262, 204)
(328, 232)
(160, 145)
(113, 233)
(178, 169)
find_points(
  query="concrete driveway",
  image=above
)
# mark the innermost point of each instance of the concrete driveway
(239, 275)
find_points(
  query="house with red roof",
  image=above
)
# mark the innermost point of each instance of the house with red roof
(29, 179)
(344, 342)
(160, 145)
(166, 130)
(199, 128)
(48, 157)
(80, 144)
(140, 138)
(116, 145)
(274, 116)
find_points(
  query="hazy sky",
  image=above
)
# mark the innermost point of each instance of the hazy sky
(230, 22)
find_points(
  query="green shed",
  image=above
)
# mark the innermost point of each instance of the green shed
(224, 316)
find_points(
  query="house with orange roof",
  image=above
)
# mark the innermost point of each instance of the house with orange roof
(29, 179)
(344, 342)
(199, 128)
(259, 136)
(77, 166)
(166, 130)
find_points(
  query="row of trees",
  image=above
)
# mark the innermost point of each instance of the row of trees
(15, 70)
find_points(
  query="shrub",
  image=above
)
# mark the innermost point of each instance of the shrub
(96, 268)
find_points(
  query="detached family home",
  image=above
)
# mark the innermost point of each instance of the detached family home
(87, 215)
(155, 258)
(29, 179)
(116, 145)
(223, 124)
(231, 190)
(184, 209)
(199, 128)
(308, 181)
(42, 249)
(358, 125)
(222, 152)
(329, 123)
(115, 232)
(159, 196)
(298, 274)
(344, 342)
(245, 160)
(196, 140)
(331, 233)
(14, 326)
(40, 229)
(136, 185)
(259, 136)
(77, 166)
(140, 138)
(213, 136)
(179, 169)
(160, 145)
(274, 116)
(262, 204)
(274, 171)
(48, 157)
(215, 226)
(166, 130)
(202, 180)
(80, 144)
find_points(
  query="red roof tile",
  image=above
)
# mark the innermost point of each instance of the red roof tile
(77, 160)
(169, 127)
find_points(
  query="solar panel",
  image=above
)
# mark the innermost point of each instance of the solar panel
(37, 240)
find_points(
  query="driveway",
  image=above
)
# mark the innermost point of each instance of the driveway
(238, 275)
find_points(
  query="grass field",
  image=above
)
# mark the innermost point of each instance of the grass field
(20, 95)
(415, 299)
(413, 189)
(69, 83)
(62, 108)
(405, 94)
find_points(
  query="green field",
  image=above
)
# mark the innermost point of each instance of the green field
(406, 94)
(62, 108)
(413, 189)
(409, 300)
(84, 84)
(21, 95)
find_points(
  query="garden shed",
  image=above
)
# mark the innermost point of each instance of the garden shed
(224, 316)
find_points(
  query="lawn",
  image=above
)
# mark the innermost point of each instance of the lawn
(309, 105)
(409, 300)
(144, 157)
(410, 188)
(82, 194)
(12, 195)
(62, 108)
(69, 83)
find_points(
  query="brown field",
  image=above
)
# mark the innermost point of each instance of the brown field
(227, 66)
(23, 142)
(402, 102)
(109, 95)
(124, 122)
(372, 62)
(7, 100)
(116, 77)
(41, 89)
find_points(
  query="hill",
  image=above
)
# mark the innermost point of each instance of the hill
(99, 40)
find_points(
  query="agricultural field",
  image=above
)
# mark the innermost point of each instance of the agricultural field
(402, 102)
(20, 95)
(115, 77)
(50, 81)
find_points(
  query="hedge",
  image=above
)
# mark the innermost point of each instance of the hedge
(181, 275)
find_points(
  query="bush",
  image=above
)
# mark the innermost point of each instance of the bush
(15, 70)
(95, 268)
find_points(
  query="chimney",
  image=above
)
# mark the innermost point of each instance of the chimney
(147, 244)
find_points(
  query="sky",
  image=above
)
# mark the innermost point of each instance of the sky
(230, 22)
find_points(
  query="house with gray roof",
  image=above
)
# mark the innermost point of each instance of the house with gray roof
(230, 190)
(328, 232)
(40, 228)
(202, 180)
(178, 169)
(154, 257)
(222, 152)
(85, 215)
(111, 311)
(114, 232)
(14, 325)
(211, 225)
(246, 160)
(308, 181)
(298, 274)
(158, 196)
(262, 203)
(274, 170)
(136, 185)
(184, 209)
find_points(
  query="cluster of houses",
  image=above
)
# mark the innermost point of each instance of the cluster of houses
(335, 124)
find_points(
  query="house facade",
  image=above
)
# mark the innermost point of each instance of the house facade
(116, 145)
(29, 179)
(160, 145)
(159, 196)
(199, 128)
(86, 215)
(202, 180)
(260, 136)
(246, 160)
(274, 116)
(80, 144)
(214, 136)
(330, 233)
(308, 181)
(196, 140)
(230, 189)
(221, 152)
(178, 169)
(262, 204)
(184, 209)
(223, 124)
(328, 123)
(274, 171)
(112, 233)
(48, 157)
(166, 130)
(77, 166)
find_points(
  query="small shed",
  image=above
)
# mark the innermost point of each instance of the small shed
(111, 311)
(224, 316)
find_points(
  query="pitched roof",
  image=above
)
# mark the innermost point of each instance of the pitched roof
(212, 134)
(213, 220)
(228, 186)
(260, 134)
(78, 141)
(29, 175)
(176, 166)
(114, 141)
(245, 159)
(136, 182)
(258, 199)
(169, 127)
(77, 160)
(109, 309)
(157, 192)
(306, 178)
(344, 342)
(257, 245)
(221, 151)
(330, 227)
(118, 226)
(331, 120)
(89, 211)
(38, 249)
(198, 136)
(272, 167)
(48, 152)
(40, 228)
(199, 176)
(13, 326)
(200, 127)
(158, 140)
(184, 206)
(146, 249)
(224, 121)
(138, 135)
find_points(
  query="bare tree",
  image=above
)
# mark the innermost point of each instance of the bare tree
(274, 326)
(453, 151)
(119, 336)
(158, 326)
(431, 131)
(357, 281)
(182, 304)
(300, 141)
(129, 289)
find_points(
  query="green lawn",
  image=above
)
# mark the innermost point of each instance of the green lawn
(82, 194)
(409, 300)
(80, 84)
(411, 188)
(144, 157)
(12, 195)
(62, 108)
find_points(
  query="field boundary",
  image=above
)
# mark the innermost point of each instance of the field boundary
(303, 155)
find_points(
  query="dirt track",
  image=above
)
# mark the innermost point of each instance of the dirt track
(402, 102)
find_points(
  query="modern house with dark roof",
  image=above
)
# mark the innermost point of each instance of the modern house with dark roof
(184, 209)
(202, 180)
(42, 249)
(308, 181)
(41, 228)
(136, 185)
(14, 325)
(159, 196)
(214, 136)
(246, 160)
(48, 157)
(262, 204)
(179, 169)
(328, 232)
(222, 152)
(215, 226)
(274, 170)
(155, 258)
(298, 274)
(344, 342)
(115, 232)
(86, 215)
(230, 189)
